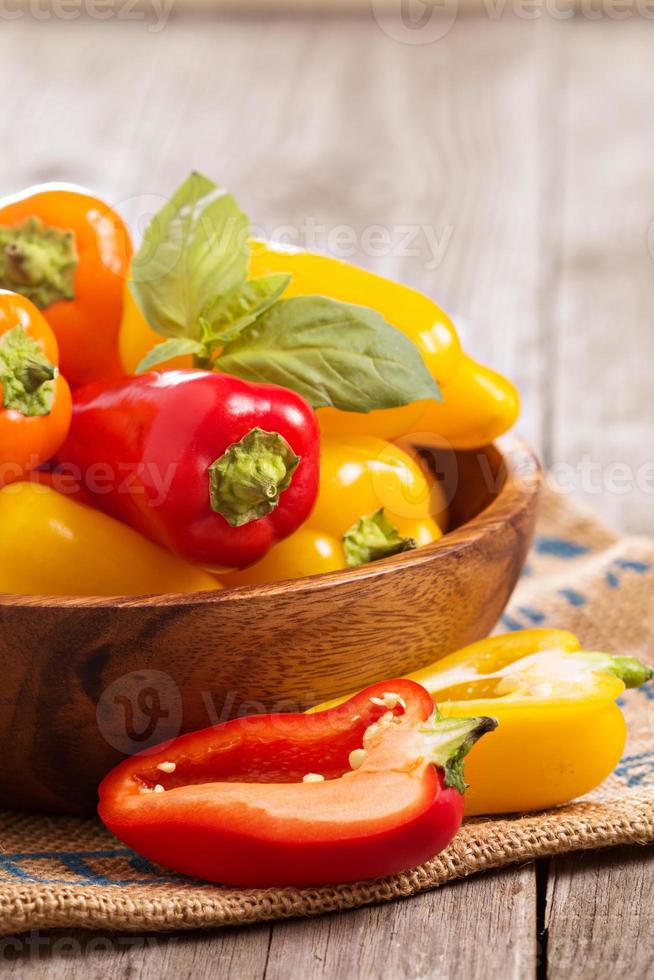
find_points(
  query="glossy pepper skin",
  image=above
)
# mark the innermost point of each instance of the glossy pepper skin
(478, 406)
(211, 467)
(69, 253)
(361, 474)
(560, 731)
(35, 405)
(229, 803)
(358, 477)
(560, 727)
(308, 551)
(136, 338)
(478, 403)
(52, 545)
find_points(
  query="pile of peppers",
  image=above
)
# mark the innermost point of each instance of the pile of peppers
(215, 411)
(229, 411)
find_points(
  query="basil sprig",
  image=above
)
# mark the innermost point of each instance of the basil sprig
(189, 278)
(331, 353)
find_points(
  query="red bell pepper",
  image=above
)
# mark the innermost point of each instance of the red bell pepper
(211, 467)
(370, 787)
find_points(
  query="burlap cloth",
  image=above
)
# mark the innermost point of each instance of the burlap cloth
(581, 576)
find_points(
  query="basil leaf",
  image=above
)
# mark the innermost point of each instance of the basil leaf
(331, 353)
(170, 348)
(237, 309)
(194, 249)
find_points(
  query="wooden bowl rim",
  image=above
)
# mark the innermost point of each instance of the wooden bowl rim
(522, 483)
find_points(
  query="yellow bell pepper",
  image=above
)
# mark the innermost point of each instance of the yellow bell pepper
(137, 337)
(362, 474)
(410, 311)
(478, 404)
(358, 478)
(51, 544)
(560, 732)
(308, 551)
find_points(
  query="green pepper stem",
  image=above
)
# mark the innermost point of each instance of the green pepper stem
(26, 375)
(448, 741)
(632, 672)
(203, 362)
(38, 261)
(246, 482)
(373, 537)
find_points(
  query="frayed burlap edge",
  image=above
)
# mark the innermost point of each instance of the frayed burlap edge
(481, 845)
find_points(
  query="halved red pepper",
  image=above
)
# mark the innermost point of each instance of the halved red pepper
(368, 788)
(211, 467)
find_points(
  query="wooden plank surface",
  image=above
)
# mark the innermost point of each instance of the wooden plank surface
(235, 953)
(524, 150)
(480, 928)
(600, 915)
(602, 343)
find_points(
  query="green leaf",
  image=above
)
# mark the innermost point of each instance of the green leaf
(331, 353)
(194, 249)
(373, 537)
(237, 309)
(175, 347)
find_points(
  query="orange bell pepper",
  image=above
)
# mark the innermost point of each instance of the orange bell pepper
(69, 253)
(36, 403)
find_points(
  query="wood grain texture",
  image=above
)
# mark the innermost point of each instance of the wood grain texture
(114, 676)
(240, 954)
(467, 929)
(600, 915)
(602, 303)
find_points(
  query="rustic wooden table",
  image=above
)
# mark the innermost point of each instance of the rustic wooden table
(519, 154)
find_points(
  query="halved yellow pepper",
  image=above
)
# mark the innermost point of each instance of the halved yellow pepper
(478, 404)
(560, 732)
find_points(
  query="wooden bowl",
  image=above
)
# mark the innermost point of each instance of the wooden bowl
(86, 680)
